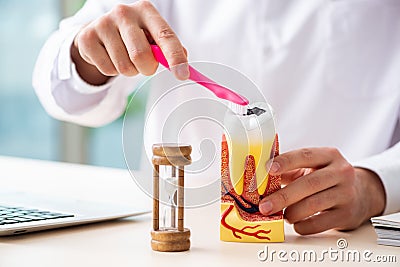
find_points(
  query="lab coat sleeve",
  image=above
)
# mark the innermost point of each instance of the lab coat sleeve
(59, 87)
(387, 166)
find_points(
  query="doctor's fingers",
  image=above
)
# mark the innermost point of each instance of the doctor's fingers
(317, 157)
(319, 202)
(139, 50)
(139, 24)
(100, 44)
(93, 51)
(292, 175)
(116, 49)
(163, 35)
(299, 189)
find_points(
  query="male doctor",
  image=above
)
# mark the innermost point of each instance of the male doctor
(328, 67)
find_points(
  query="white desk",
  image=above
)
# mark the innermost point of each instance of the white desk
(127, 242)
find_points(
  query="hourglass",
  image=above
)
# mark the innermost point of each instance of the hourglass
(168, 161)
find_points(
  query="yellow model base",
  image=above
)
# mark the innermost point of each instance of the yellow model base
(234, 229)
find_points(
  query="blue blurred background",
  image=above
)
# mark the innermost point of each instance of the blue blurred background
(25, 128)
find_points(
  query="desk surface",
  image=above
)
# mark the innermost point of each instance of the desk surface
(127, 242)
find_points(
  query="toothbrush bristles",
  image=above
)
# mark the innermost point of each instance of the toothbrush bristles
(238, 109)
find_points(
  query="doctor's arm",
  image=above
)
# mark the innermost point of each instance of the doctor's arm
(119, 43)
(84, 71)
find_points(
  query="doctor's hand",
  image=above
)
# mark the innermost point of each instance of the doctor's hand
(118, 43)
(323, 191)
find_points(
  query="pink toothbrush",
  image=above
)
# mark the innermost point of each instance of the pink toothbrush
(219, 90)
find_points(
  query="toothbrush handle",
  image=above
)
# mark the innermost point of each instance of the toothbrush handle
(196, 76)
(159, 55)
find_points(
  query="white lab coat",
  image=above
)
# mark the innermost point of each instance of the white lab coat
(329, 68)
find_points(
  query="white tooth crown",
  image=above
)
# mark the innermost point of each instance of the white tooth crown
(249, 135)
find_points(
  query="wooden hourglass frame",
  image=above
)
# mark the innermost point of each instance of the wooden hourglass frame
(172, 238)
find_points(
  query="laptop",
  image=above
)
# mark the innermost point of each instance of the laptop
(24, 212)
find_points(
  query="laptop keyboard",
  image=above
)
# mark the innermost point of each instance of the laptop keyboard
(12, 215)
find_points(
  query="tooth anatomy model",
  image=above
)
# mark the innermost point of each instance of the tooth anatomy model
(248, 144)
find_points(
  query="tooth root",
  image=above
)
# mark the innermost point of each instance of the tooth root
(237, 161)
(236, 164)
(261, 168)
(262, 178)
